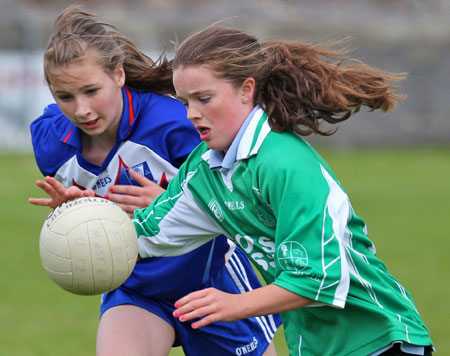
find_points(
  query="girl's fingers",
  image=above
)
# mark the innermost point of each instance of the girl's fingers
(198, 306)
(88, 193)
(204, 321)
(205, 313)
(58, 193)
(142, 180)
(208, 306)
(56, 185)
(124, 199)
(151, 188)
(198, 319)
(40, 201)
(126, 189)
(137, 197)
(194, 305)
(182, 302)
(46, 188)
(75, 192)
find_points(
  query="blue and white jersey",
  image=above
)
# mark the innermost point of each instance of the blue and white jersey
(154, 138)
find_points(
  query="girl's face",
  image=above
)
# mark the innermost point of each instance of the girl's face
(215, 106)
(89, 96)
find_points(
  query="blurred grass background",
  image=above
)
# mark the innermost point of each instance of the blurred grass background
(403, 195)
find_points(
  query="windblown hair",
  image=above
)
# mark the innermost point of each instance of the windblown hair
(76, 32)
(300, 86)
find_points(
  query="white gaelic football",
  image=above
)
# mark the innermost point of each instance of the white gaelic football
(88, 246)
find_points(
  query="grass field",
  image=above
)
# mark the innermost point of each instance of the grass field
(403, 195)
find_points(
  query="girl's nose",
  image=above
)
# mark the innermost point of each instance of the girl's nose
(82, 108)
(192, 113)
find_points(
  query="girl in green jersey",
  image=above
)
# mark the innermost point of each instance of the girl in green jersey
(336, 296)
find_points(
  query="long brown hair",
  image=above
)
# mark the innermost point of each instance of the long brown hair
(76, 31)
(299, 85)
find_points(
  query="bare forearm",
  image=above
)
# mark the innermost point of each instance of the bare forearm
(270, 299)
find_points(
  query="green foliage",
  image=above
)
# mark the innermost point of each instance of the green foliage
(403, 195)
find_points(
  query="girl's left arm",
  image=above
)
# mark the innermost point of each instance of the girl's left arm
(213, 305)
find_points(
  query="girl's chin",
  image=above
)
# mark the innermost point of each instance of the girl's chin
(91, 132)
(216, 147)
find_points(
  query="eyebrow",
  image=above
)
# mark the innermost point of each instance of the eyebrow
(196, 92)
(84, 87)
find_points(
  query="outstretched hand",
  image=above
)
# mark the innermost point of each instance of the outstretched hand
(132, 197)
(210, 305)
(58, 193)
(214, 305)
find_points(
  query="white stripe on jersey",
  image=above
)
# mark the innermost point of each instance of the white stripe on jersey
(406, 328)
(265, 319)
(403, 291)
(239, 275)
(248, 136)
(300, 345)
(339, 209)
(338, 212)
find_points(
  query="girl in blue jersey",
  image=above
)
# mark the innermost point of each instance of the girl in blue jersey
(115, 132)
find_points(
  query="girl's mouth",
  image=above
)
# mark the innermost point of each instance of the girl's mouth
(204, 132)
(90, 124)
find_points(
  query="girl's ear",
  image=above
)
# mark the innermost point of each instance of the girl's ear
(247, 90)
(119, 75)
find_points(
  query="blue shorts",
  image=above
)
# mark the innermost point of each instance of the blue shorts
(248, 336)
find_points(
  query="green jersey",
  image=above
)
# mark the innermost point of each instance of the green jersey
(281, 203)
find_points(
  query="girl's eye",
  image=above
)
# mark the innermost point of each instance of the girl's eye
(204, 99)
(65, 97)
(91, 91)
